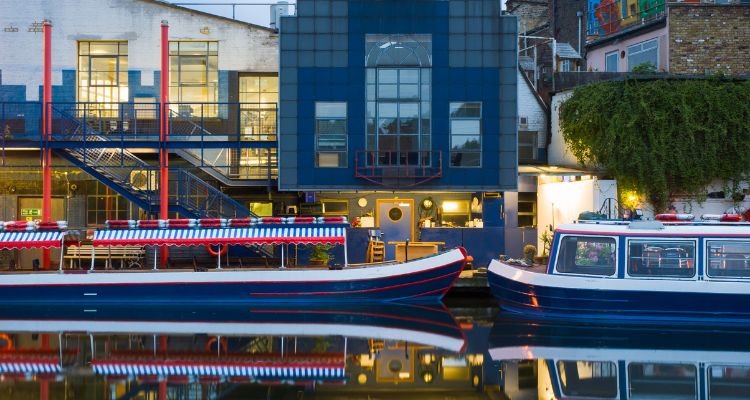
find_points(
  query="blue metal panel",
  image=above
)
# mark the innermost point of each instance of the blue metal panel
(484, 244)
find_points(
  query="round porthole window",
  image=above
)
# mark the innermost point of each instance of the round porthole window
(395, 214)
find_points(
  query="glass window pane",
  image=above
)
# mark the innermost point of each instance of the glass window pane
(728, 382)
(387, 126)
(371, 75)
(662, 380)
(408, 110)
(269, 84)
(466, 159)
(465, 142)
(387, 91)
(656, 258)
(330, 110)
(729, 258)
(387, 76)
(409, 76)
(592, 255)
(388, 110)
(466, 110)
(331, 127)
(465, 127)
(371, 92)
(588, 379)
(409, 91)
(104, 48)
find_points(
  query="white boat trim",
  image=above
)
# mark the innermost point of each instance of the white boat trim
(280, 275)
(616, 284)
(619, 354)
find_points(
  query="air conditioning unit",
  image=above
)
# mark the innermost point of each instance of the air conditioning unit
(144, 179)
(523, 122)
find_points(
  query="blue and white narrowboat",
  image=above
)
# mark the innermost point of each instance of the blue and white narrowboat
(620, 271)
(425, 279)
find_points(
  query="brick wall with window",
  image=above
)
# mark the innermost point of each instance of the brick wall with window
(709, 38)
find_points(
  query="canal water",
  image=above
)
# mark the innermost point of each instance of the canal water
(381, 351)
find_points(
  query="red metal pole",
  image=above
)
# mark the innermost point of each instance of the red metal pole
(163, 132)
(47, 132)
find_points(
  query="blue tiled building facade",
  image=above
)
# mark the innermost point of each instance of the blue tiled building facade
(398, 95)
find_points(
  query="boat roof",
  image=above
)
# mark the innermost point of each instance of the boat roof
(658, 228)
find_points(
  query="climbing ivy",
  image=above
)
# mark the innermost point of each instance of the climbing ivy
(660, 137)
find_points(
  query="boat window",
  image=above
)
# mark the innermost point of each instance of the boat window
(592, 255)
(597, 379)
(674, 258)
(728, 382)
(728, 258)
(657, 380)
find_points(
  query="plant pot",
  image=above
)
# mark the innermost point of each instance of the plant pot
(541, 260)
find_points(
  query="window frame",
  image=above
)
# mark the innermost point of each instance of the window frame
(630, 52)
(616, 54)
(451, 135)
(558, 253)
(176, 84)
(655, 240)
(342, 154)
(628, 378)
(706, 259)
(118, 90)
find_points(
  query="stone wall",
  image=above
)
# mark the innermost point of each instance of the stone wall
(709, 39)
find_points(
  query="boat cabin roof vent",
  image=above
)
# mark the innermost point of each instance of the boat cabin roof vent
(654, 225)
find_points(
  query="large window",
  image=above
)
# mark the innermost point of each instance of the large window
(194, 77)
(398, 90)
(398, 114)
(526, 209)
(730, 258)
(254, 164)
(102, 77)
(466, 134)
(104, 205)
(330, 134)
(660, 258)
(644, 53)
(728, 381)
(588, 379)
(259, 96)
(662, 381)
(589, 255)
(610, 61)
(527, 146)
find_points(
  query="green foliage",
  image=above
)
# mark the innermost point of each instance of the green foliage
(662, 138)
(546, 239)
(320, 253)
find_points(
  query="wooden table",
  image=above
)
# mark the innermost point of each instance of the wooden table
(415, 249)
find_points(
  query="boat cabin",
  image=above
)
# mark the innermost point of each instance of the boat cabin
(652, 250)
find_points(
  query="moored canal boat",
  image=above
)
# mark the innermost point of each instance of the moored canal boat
(421, 280)
(634, 272)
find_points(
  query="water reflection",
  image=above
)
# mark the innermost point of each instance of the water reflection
(547, 360)
(239, 352)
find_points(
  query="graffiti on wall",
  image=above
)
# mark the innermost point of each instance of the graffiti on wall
(606, 17)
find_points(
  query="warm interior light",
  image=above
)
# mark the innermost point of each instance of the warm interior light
(450, 206)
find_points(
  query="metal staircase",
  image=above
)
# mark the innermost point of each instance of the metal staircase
(114, 166)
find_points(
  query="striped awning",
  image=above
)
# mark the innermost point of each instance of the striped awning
(216, 369)
(272, 234)
(26, 240)
(30, 367)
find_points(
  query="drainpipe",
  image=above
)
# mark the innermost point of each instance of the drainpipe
(579, 14)
(46, 133)
(163, 132)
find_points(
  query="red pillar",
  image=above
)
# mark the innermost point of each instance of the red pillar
(163, 132)
(46, 133)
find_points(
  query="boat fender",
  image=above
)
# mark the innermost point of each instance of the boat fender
(211, 342)
(222, 250)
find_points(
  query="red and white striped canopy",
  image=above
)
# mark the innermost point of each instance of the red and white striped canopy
(30, 239)
(271, 234)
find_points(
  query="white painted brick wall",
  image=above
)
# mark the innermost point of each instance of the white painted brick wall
(241, 47)
(528, 106)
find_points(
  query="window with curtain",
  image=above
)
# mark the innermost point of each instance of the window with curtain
(194, 78)
(102, 77)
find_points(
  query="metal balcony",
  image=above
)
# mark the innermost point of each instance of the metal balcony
(398, 168)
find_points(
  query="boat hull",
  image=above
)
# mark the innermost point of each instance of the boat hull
(422, 280)
(620, 301)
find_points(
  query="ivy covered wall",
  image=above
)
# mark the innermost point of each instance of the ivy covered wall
(662, 138)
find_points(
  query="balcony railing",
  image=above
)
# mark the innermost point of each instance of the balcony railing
(398, 168)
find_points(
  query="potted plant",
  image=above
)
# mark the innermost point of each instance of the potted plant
(529, 251)
(320, 255)
(546, 239)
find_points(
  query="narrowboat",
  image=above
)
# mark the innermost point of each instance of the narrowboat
(425, 279)
(678, 270)
(555, 360)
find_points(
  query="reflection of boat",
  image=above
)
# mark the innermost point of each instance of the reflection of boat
(423, 324)
(559, 360)
(634, 272)
(227, 348)
(424, 280)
